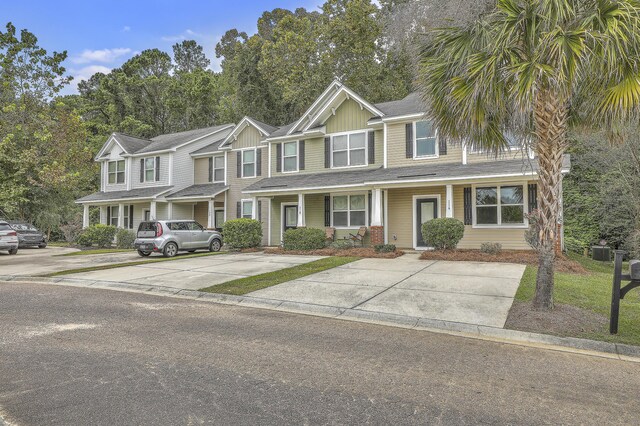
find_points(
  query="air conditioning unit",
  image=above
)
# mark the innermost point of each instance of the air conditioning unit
(601, 253)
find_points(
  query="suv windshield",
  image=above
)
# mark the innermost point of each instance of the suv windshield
(23, 227)
(4, 227)
(147, 226)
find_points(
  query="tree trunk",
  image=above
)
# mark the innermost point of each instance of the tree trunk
(551, 142)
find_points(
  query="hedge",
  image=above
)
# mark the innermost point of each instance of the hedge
(125, 239)
(98, 235)
(443, 233)
(242, 233)
(304, 239)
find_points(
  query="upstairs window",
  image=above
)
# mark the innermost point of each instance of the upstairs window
(249, 163)
(290, 157)
(426, 140)
(500, 205)
(116, 172)
(218, 169)
(349, 150)
(150, 169)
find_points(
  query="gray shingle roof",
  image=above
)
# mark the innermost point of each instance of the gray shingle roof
(131, 144)
(411, 104)
(282, 131)
(151, 192)
(172, 140)
(266, 127)
(209, 149)
(425, 172)
(202, 190)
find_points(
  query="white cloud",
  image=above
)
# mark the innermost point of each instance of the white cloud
(173, 39)
(105, 56)
(126, 29)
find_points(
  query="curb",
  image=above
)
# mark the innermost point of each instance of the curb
(523, 338)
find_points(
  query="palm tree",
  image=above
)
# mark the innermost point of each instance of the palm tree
(535, 69)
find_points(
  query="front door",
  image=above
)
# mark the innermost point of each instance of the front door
(289, 218)
(426, 209)
(219, 219)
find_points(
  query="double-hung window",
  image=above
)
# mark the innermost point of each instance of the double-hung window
(150, 169)
(426, 140)
(500, 205)
(247, 209)
(218, 169)
(349, 150)
(115, 215)
(349, 210)
(116, 172)
(290, 157)
(249, 163)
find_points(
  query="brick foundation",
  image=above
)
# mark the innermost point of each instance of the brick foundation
(377, 234)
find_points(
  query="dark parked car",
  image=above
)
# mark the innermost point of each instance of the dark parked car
(28, 235)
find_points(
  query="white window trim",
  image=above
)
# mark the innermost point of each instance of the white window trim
(297, 157)
(438, 197)
(415, 144)
(144, 162)
(255, 163)
(224, 169)
(366, 149)
(525, 206)
(124, 172)
(366, 209)
(242, 202)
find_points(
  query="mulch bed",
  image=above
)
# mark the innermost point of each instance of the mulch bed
(563, 320)
(524, 257)
(352, 252)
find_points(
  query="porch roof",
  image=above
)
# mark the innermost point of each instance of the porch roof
(137, 193)
(205, 190)
(398, 175)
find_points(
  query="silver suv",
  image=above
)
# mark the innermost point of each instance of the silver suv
(8, 238)
(170, 236)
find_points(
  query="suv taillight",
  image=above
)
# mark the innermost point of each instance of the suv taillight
(159, 229)
(12, 234)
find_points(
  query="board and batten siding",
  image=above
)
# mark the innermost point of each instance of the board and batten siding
(114, 155)
(348, 117)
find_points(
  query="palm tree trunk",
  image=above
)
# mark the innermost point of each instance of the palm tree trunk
(551, 133)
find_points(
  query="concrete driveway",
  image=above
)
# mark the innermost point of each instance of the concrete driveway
(195, 273)
(466, 292)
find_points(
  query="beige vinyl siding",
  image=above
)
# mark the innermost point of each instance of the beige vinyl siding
(201, 213)
(481, 157)
(201, 170)
(182, 211)
(276, 217)
(349, 116)
(397, 149)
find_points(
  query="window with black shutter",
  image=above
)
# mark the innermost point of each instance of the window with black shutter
(468, 207)
(327, 152)
(409, 140)
(372, 147)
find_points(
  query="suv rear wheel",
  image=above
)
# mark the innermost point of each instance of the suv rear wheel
(170, 250)
(144, 253)
(215, 245)
(13, 251)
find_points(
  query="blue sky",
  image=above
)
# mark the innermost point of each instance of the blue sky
(101, 35)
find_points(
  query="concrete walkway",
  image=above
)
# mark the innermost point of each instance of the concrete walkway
(196, 273)
(466, 292)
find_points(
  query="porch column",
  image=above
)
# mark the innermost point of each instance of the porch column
(377, 228)
(170, 210)
(85, 216)
(449, 201)
(302, 222)
(103, 215)
(152, 211)
(211, 216)
(120, 215)
(254, 208)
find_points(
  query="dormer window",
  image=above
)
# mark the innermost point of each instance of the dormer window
(116, 172)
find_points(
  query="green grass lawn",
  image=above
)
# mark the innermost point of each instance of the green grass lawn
(134, 263)
(591, 292)
(97, 251)
(246, 285)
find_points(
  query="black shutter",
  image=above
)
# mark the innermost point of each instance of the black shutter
(409, 139)
(210, 169)
(443, 145)
(468, 207)
(239, 210)
(108, 215)
(533, 197)
(327, 152)
(131, 216)
(239, 163)
(141, 170)
(260, 211)
(301, 155)
(369, 200)
(157, 169)
(327, 210)
(372, 147)
(278, 157)
(258, 162)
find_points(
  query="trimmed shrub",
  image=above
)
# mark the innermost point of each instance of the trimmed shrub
(633, 245)
(384, 248)
(342, 244)
(304, 239)
(125, 239)
(574, 245)
(443, 233)
(491, 248)
(98, 235)
(242, 233)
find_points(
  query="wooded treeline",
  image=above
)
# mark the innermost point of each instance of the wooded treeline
(47, 141)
